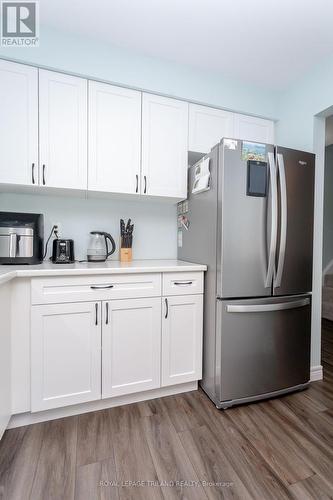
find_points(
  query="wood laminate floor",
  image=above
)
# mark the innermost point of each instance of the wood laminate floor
(180, 447)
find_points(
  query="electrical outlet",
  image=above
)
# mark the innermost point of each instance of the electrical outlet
(58, 229)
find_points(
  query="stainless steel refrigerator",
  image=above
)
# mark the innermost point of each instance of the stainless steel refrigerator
(252, 224)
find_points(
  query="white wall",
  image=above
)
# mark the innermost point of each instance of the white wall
(5, 356)
(155, 228)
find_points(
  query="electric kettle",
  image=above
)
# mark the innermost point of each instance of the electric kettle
(98, 250)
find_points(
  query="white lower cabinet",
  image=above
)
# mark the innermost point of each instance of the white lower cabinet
(131, 342)
(65, 354)
(182, 339)
(98, 349)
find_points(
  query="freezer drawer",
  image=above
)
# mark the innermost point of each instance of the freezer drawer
(263, 346)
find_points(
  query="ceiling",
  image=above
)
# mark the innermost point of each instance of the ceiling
(266, 42)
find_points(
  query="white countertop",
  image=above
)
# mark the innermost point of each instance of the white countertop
(110, 267)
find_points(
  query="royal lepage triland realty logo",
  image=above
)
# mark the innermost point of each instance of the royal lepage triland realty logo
(20, 24)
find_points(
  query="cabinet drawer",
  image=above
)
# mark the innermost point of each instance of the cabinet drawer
(91, 288)
(182, 283)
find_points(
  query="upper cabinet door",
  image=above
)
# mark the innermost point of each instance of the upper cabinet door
(207, 126)
(62, 130)
(18, 123)
(164, 146)
(250, 128)
(114, 139)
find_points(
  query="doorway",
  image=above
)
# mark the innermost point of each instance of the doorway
(327, 264)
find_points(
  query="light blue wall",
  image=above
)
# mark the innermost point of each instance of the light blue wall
(297, 107)
(156, 225)
(87, 57)
(294, 108)
(300, 128)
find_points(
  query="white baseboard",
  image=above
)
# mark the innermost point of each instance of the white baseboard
(67, 411)
(316, 373)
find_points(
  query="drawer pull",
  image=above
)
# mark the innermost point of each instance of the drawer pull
(107, 314)
(101, 287)
(182, 283)
(44, 175)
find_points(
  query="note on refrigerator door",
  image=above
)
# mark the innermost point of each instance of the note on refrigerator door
(253, 151)
(201, 177)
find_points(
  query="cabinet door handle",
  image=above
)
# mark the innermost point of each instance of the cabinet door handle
(33, 173)
(101, 287)
(107, 313)
(137, 183)
(43, 175)
(145, 179)
(182, 283)
(166, 308)
(96, 314)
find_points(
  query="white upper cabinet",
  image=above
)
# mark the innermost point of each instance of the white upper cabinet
(130, 142)
(62, 130)
(164, 146)
(114, 139)
(18, 123)
(207, 126)
(250, 128)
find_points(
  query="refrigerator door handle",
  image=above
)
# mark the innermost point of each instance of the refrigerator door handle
(268, 307)
(274, 221)
(284, 211)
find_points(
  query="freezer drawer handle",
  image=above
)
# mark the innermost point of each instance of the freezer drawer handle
(268, 307)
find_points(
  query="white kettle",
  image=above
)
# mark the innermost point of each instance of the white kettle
(98, 250)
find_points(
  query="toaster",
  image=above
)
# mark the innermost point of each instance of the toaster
(63, 251)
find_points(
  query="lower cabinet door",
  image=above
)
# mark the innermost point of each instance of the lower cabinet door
(131, 346)
(182, 339)
(65, 354)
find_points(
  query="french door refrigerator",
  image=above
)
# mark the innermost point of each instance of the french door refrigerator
(253, 226)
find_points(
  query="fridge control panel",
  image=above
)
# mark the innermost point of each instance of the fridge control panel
(257, 179)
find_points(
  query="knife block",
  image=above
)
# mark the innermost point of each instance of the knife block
(125, 255)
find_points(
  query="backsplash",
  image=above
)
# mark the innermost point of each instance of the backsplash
(155, 234)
